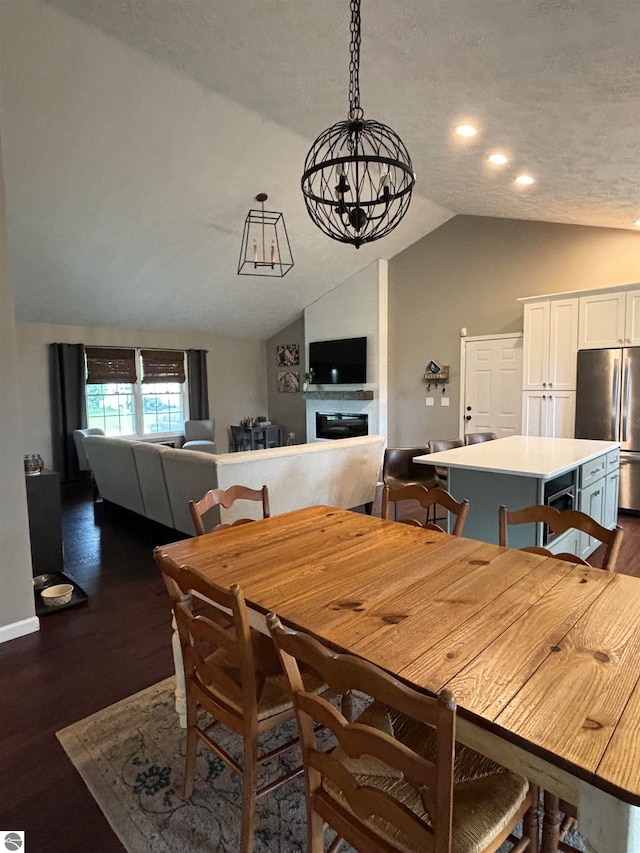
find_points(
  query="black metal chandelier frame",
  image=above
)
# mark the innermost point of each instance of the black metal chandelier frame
(265, 248)
(358, 176)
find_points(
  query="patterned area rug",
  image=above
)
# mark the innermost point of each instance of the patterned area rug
(131, 757)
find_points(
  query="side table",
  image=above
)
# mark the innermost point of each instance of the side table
(45, 522)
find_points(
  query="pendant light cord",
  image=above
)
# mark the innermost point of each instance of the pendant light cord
(355, 110)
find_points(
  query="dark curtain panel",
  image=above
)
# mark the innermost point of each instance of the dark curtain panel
(68, 407)
(198, 384)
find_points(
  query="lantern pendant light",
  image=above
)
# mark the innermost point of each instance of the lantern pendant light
(358, 175)
(265, 249)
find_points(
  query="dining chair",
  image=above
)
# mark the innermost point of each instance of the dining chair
(559, 522)
(560, 815)
(228, 672)
(427, 498)
(479, 437)
(240, 438)
(226, 498)
(396, 780)
(436, 445)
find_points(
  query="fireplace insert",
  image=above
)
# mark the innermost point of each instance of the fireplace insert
(341, 425)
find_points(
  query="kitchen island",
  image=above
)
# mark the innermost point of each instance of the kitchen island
(521, 471)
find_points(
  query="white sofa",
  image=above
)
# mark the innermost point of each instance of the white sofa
(158, 482)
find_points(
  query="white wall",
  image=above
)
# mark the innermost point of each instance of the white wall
(236, 370)
(356, 308)
(17, 607)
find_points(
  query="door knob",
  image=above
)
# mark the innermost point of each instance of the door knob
(467, 417)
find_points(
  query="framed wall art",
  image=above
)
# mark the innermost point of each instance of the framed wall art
(288, 381)
(288, 355)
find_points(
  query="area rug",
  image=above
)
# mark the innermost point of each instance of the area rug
(131, 757)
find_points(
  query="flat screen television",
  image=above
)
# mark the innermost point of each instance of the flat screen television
(339, 362)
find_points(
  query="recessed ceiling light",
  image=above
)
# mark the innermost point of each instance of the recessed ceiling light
(525, 180)
(466, 130)
(498, 159)
(637, 222)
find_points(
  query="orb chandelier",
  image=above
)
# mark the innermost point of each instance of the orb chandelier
(358, 175)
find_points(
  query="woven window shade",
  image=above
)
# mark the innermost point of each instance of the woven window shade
(110, 364)
(162, 365)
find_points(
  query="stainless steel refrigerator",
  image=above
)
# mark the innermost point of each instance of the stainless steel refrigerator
(608, 408)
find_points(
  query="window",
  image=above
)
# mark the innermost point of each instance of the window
(121, 404)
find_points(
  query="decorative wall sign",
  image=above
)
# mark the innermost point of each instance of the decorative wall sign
(288, 355)
(288, 382)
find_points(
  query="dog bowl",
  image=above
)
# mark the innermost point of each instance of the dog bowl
(55, 596)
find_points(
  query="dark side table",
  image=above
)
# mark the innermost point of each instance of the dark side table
(45, 522)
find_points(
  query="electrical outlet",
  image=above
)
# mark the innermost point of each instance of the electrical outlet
(428, 401)
(444, 401)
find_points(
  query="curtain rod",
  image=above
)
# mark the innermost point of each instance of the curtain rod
(157, 349)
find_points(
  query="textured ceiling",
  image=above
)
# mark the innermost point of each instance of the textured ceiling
(136, 133)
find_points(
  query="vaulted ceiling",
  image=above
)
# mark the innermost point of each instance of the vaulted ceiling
(136, 134)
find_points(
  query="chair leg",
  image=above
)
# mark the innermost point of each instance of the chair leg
(315, 832)
(551, 823)
(249, 788)
(531, 826)
(192, 746)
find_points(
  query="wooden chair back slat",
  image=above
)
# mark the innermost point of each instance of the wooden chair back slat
(367, 802)
(226, 498)
(358, 740)
(559, 522)
(428, 498)
(433, 779)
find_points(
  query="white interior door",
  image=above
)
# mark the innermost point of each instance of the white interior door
(492, 399)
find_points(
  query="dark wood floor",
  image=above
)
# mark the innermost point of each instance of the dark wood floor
(87, 658)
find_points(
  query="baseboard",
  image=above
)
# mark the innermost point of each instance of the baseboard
(19, 629)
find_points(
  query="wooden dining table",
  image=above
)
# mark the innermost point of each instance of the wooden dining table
(542, 655)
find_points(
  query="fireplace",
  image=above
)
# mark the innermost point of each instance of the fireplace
(341, 425)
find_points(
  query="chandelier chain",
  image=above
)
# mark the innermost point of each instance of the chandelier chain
(355, 110)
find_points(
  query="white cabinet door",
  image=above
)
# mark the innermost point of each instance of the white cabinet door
(632, 322)
(602, 320)
(549, 414)
(561, 414)
(610, 511)
(534, 413)
(563, 344)
(592, 502)
(535, 358)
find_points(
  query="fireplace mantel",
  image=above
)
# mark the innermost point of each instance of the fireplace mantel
(338, 395)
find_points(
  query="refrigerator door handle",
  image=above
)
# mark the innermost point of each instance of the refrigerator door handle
(615, 409)
(627, 398)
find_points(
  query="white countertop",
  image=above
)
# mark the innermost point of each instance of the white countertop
(522, 455)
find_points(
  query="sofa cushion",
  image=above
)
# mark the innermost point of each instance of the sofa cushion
(114, 470)
(152, 483)
(189, 475)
